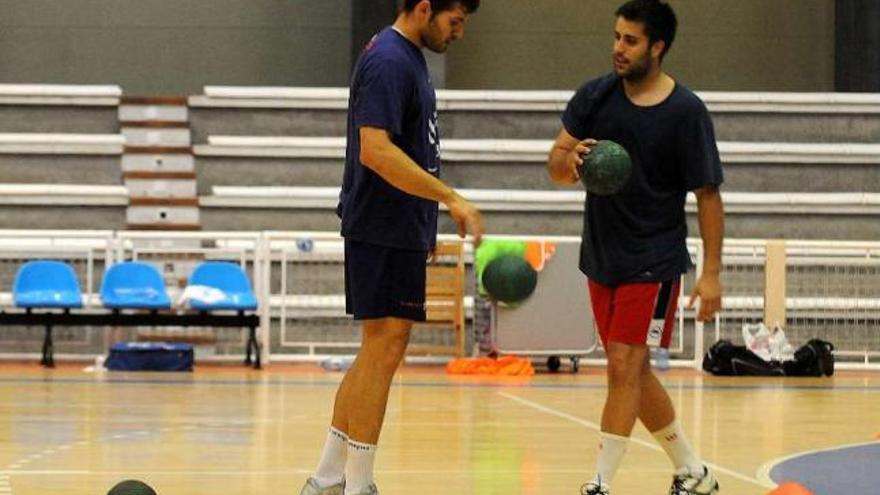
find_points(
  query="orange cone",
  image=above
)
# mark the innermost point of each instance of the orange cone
(791, 488)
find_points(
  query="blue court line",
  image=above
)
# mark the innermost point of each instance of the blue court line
(334, 383)
(846, 469)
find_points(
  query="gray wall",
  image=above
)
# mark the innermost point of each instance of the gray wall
(175, 46)
(783, 45)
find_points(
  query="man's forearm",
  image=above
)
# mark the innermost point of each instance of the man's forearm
(710, 211)
(399, 170)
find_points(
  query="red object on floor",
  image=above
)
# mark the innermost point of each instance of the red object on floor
(791, 488)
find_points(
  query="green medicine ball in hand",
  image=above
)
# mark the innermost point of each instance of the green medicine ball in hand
(606, 169)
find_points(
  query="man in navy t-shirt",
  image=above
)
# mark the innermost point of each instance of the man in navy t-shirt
(388, 205)
(633, 248)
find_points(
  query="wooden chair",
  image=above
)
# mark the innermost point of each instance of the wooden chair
(445, 301)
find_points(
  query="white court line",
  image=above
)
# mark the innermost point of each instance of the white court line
(764, 470)
(5, 485)
(637, 441)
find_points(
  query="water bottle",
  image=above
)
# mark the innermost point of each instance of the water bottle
(305, 245)
(340, 363)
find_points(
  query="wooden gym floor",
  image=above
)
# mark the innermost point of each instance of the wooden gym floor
(232, 430)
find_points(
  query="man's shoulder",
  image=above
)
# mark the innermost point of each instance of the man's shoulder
(598, 86)
(687, 99)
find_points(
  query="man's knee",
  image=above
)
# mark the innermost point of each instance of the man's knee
(388, 338)
(625, 364)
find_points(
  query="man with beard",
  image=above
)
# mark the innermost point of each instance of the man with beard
(388, 206)
(633, 249)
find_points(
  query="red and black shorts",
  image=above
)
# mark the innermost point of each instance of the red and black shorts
(636, 313)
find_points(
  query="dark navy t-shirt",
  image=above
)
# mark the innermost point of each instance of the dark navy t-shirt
(390, 89)
(639, 234)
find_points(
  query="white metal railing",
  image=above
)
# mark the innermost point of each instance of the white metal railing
(847, 296)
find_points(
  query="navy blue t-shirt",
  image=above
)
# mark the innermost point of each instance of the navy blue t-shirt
(639, 234)
(390, 89)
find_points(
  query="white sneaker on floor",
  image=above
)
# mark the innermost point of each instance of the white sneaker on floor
(686, 483)
(313, 488)
(370, 490)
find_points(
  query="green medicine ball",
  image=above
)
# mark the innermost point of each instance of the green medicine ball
(510, 279)
(606, 168)
(131, 487)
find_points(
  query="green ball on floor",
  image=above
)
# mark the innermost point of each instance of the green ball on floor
(131, 487)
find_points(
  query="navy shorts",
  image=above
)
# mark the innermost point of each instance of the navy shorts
(383, 282)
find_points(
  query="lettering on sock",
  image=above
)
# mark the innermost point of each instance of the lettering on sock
(360, 447)
(338, 434)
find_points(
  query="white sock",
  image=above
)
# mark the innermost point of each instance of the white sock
(331, 469)
(677, 447)
(611, 450)
(359, 469)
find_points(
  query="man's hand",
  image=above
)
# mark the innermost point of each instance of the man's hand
(574, 160)
(708, 290)
(467, 217)
(564, 161)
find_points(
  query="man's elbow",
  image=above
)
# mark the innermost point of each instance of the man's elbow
(369, 157)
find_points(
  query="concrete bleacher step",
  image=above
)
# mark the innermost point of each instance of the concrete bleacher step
(153, 108)
(156, 133)
(61, 158)
(56, 108)
(158, 166)
(158, 159)
(738, 116)
(146, 214)
(62, 206)
(520, 164)
(170, 185)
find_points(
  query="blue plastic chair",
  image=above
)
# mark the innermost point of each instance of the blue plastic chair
(46, 284)
(227, 278)
(231, 280)
(134, 285)
(49, 285)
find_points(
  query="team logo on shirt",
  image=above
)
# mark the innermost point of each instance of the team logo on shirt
(434, 140)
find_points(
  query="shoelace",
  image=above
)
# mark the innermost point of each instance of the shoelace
(680, 485)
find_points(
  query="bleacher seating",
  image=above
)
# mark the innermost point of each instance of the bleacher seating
(465, 114)
(234, 293)
(62, 206)
(134, 285)
(55, 108)
(46, 284)
(128, 289)
(60, 158)
(807, 183)
(537, 212)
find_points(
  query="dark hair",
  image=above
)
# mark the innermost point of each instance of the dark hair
(657, 16)
(437, 6)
